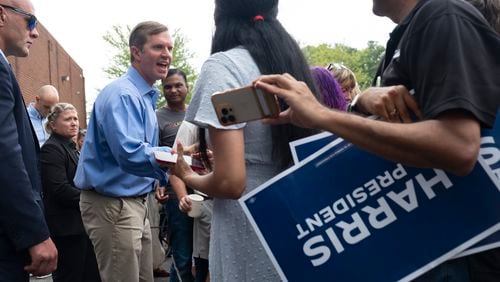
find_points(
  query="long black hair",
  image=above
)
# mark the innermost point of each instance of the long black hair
(253, 25)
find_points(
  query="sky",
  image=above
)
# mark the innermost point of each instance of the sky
(79, 26)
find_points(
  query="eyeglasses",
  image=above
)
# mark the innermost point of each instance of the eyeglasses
(32, 21)
(336, 66)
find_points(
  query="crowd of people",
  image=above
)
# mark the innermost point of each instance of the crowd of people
(79, 203)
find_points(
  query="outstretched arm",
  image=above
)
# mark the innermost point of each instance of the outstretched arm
(450, 142)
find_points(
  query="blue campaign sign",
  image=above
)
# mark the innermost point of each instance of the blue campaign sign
(349, 215)
(303, 148)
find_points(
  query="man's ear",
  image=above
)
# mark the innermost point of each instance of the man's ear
(2, 16)
(135, 53)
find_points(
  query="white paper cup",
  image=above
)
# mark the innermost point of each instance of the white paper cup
(196, 202)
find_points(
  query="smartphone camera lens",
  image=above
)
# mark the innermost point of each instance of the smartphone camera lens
(223, 119)
(224, 111)
(231, 118)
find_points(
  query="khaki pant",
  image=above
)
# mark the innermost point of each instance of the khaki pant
(154, 221)
(120, 232)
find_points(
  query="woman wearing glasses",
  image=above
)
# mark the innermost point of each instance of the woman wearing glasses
(347, 80)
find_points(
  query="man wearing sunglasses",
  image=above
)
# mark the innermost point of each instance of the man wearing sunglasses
(25, 245)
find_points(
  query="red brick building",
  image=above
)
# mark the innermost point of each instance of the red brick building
(49, 63)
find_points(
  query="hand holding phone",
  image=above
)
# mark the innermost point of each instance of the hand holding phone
(244, 104)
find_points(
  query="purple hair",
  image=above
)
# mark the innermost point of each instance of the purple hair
(331, 92)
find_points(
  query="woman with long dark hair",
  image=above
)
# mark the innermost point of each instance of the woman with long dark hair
(248, 41)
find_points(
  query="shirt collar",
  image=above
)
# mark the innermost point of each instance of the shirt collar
(141, 84)
(34, 111)
(65, 141)
(62, 138)
(395, 36)
(410, 16)
(3, 55)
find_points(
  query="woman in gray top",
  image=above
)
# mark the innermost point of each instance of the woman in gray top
(248, 41)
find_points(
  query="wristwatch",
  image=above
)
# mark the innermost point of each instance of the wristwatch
(352, 107)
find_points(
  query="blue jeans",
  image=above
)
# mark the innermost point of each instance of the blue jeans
(180, 233)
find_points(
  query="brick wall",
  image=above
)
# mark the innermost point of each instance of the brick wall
(48, 63)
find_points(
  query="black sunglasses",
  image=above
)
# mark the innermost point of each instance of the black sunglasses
(32, 21)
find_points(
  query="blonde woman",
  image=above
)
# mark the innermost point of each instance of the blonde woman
(59, 158)
(347, 80)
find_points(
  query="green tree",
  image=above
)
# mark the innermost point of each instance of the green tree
(368, 61)
(118, 37)
(362, 62)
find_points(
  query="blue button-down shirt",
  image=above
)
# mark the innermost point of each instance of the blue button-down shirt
(117, 156)
(38, 124)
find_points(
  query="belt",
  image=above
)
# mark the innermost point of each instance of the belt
(142, 196)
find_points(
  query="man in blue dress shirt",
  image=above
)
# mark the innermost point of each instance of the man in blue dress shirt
(38, 111)
(117, 168)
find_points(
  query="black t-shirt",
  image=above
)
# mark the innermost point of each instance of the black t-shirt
(446, 51)
(169, 122)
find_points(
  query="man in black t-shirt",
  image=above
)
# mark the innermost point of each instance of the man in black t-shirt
(179, 224)
(483, 266)
(447, 54)
(450, 70)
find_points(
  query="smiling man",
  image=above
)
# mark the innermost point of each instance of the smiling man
(117, 170)
(179, 224)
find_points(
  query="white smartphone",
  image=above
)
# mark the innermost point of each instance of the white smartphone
(244, 104)
(167, 157)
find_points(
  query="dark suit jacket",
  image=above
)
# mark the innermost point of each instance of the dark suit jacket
(61, 199)
(22, 223)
